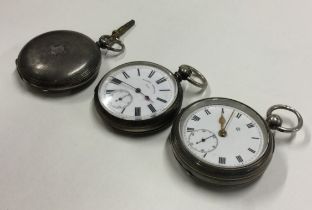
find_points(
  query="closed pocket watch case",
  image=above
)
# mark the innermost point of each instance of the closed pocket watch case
(59, 61)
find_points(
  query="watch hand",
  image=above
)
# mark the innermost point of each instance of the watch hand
(204, 139)
(137, 90)
(209, 137)
(125, 83)
(120, 98)
(222, 121)
(123, 97)
(222, 132)
(229, 120)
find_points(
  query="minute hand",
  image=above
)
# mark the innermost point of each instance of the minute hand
(229, 120)
(137, 90)
(124, 82)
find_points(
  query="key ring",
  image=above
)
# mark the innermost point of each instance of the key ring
(275, 121)
(190, 74)
(108, 42)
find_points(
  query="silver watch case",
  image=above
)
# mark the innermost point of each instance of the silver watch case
(59, 61)
(147, 126)
(213, 175)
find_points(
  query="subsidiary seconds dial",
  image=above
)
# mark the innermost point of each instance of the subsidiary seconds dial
(152, 90)
(142, 97)
(202, 141)
(225, 142)
(240, 137)
(120, 99)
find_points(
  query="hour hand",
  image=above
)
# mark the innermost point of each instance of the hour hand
(222, 131)
(222, 122)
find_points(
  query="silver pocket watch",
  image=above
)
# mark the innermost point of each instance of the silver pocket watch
(63, 60)
(143, 97)
(224, 142)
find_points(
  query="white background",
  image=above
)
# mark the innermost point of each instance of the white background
(55, 152)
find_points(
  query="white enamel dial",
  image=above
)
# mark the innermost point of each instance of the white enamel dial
(137, 91)
(232, 138)
(203, 141)
(120, 99)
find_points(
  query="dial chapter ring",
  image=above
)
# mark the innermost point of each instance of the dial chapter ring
(215, 174)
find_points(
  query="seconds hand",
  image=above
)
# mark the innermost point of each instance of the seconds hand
(137, 90)
(120, 99)
(204, 139)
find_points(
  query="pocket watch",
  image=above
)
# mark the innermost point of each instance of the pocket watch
(143, 97)
(224, 142)
(59, 61)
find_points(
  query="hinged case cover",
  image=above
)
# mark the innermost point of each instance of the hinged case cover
(59, 61)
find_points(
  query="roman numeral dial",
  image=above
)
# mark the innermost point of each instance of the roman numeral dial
(125, 75)
(243, 143)
(138, 91)
(161, 80)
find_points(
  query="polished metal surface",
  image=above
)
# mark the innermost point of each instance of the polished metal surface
(140, 127)
(216, 175)
(112, 42)
(192, 75)
(271, 119)
(59, 61)
(274, 121)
